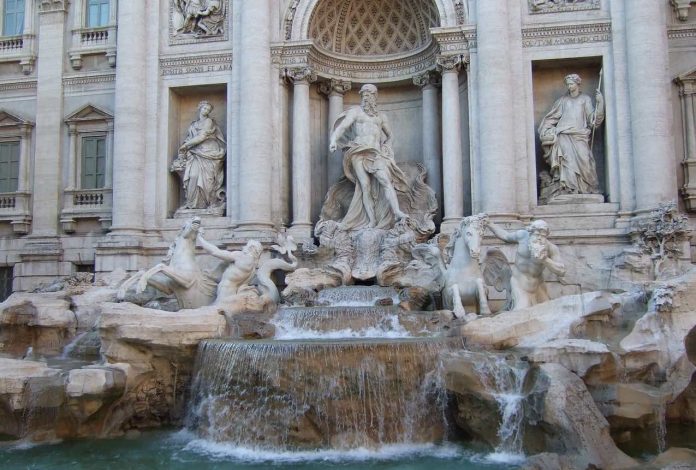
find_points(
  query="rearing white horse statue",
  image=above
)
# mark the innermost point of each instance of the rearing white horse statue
(464, 284)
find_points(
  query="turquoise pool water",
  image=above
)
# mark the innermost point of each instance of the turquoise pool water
(181, 450)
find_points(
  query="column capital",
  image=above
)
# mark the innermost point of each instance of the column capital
(298, 75)
(334, 87)
(426, 79)
(450, 63)
(50, 6)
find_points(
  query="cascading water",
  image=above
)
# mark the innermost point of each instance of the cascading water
(505, 380)
(349, 322)
(289, 395)
(348, 375)
(356, 296)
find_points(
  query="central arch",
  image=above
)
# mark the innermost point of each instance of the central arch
(299, 15)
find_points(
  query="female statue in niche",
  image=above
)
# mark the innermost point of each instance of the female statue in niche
(200, 162)
(565, 134)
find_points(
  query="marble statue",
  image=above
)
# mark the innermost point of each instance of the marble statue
(566, 133)
(463, 280)
(200, 17)
(534, 254)
(200, 163)
(236, 291)
(179, 273)
(368, 161)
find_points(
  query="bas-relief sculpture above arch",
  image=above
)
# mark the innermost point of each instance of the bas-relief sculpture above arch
(299, 15)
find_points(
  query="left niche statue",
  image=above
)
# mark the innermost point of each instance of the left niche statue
(199, 18)
(200, 165)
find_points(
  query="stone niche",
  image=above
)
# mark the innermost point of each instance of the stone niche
(183, 111)
(548, 82)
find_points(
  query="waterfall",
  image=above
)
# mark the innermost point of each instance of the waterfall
(505, 382)
(294, 395)
(339, 322)
(356, 296)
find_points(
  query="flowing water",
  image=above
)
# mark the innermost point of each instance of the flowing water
(505, 380)
(294, 395)
(356, 296)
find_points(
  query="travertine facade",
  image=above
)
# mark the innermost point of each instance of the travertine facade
(97, 98)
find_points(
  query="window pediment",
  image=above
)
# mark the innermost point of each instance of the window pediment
(10, 120)
(89, 114)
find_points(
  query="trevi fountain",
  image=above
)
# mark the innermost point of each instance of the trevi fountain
(349, 234)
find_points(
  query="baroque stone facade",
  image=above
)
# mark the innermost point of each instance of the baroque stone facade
(96, 104)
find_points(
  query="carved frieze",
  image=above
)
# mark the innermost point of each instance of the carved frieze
(557, 35)
(48, 6)
(193, 21)
(170, 66)
(558, 6)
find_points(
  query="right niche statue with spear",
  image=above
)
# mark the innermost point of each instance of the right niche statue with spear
(567, 138)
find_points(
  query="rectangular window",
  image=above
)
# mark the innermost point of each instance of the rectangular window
(97, 13)
(9, 166)
(6, 278)
(93, 162)
(13, 18)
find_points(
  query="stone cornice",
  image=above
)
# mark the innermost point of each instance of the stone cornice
(18, 85)
(686, 31)
(189, 64)
(374, 69)
(566, 34)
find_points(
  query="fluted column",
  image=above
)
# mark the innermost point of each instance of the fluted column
(130, 123)
(452, 158)
(301, 155)
(495, 116)
(256, 118)
(432, 149)
(648, 64)
(334, 90)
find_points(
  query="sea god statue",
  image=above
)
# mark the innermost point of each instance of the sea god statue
(368, 161)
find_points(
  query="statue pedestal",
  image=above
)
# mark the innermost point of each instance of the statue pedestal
(211, 211)
(576, 199)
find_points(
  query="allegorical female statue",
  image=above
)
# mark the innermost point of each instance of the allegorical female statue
(565, 134)
(200, 162)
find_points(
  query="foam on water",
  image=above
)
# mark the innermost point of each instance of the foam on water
(220, 451)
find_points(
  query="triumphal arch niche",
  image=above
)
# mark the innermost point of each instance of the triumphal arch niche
(416, 52)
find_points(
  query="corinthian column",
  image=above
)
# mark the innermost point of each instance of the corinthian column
(256, 117)
(130, 122)
(428, 83)
(648, 63)
(452, 158)
(301, 155)
(496, 122)
(335, 90)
